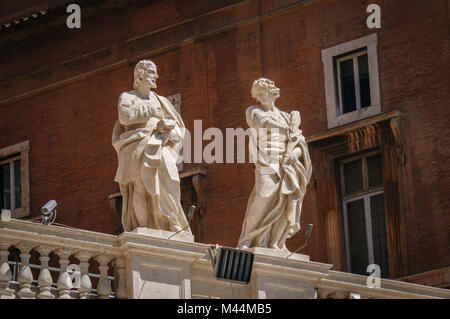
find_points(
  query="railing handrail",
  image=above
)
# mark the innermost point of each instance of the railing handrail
(58, 236)
(155, 250)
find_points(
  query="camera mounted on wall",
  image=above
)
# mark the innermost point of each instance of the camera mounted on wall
(48, 212)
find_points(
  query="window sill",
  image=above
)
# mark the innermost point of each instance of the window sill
(354, 116)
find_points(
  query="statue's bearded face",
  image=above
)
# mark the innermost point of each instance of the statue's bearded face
(148, 76)
(265, 91)
(145, 76)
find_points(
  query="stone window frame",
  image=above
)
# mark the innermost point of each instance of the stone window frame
(365, 195)
(383, 133)
(22, 149)
(368, 43)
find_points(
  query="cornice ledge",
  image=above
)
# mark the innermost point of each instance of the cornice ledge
(344, 129)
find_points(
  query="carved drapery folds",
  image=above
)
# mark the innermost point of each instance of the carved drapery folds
(193, 192)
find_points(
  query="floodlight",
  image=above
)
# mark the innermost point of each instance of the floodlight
(234, 264)
(190, 216)
(308, 231)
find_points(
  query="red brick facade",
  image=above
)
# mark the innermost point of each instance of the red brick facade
(59, 90)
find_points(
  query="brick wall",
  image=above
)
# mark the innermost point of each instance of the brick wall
(59, 89)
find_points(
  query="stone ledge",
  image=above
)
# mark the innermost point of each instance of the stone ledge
(181, 268)
(279, 253)
(181, 236)
(341, 130)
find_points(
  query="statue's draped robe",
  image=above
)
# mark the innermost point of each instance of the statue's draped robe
(274, 207)
(147, 171)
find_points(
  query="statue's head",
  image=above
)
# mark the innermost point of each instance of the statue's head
(265, 91)
(145, 73)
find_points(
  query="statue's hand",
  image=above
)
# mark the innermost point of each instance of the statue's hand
(293, 156)
(297, 152)
(165, 125)
(289, 132)
(174, 136)
(288, 159)
(302, 138)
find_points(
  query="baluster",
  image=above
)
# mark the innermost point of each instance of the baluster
(25, 276)
(104, 285)
(45, 278)
(121, 290)
(85, 281)
(5, 273)
(64, 281)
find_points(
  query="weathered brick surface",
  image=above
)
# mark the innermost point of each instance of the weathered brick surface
(69, 126)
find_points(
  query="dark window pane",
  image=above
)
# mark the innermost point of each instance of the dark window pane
(375, 173)
(357, 237)
(6, 186)
(17, 184)
(380, 250)
(347, 86)
(364, 85)
(353, 180)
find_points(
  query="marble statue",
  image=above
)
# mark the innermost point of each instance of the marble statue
(147, 138)
(283, 170)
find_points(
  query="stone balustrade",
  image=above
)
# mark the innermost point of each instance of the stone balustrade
(36, 261)
(64, 244)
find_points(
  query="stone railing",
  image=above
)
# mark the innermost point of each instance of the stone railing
(158, 264)
(30, 240)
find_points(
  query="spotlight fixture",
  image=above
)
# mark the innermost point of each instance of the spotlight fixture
(190, 214)
(308, 231)
(49, 212)
(212, 251)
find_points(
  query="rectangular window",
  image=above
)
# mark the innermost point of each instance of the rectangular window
(364, 215)
(352, 88)
(14, 181)
(353, 82)
(10, 188)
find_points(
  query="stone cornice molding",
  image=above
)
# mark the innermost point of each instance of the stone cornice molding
(348, 129)
(186, 264)
(367, 133)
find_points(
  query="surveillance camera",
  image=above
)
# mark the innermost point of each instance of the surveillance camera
(49, 207)
(49, 212)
